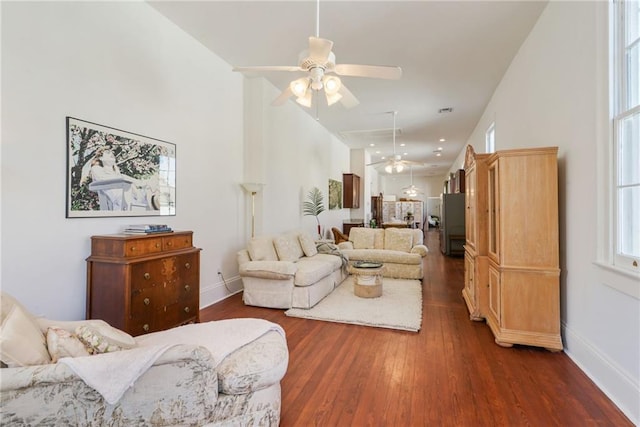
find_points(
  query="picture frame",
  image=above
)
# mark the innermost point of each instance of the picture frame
(335, 194)
(116, 173)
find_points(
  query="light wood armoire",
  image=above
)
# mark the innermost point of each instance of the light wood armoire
(476, 260)
(515, 284)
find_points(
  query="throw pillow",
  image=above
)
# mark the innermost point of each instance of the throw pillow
(103, 338)
(21, 341)
(261, 249)
(397, 240)
(62, 343)
(288, 247)
(361, 237)
(308, 244)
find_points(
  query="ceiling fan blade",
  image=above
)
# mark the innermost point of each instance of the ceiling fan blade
(259, 68)
(372, 71)
(319, 49)
(348, 100)
(411, 162)
(283, 97)
(377, 163)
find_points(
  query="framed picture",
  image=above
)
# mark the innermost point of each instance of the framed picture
(335, 194)
(111, 172)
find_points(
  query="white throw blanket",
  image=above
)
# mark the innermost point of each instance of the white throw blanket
(111, 374)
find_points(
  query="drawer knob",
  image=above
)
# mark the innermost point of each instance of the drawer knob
(147, 301)
(133, 249)
(187, 288)
(147, 276)
(145, 327)
(187, 265)
(186, 309)
(157, 245)
(169, 243)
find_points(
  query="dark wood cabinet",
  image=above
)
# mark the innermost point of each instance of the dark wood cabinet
(347, 225)
(351, 190)
(452, 224)
(144, 283)
(376, 209)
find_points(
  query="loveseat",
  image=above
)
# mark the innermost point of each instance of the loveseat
(288, 271)
(52, 377)
(401, 250)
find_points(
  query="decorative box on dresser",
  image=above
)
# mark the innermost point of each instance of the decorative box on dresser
(522, 246)
(476, 260)
(144, 283)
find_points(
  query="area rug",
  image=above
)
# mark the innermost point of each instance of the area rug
(399, 307)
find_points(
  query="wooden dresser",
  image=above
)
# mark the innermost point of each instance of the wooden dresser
(144, 283)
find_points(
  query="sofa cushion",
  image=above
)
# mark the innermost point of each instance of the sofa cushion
(288, 247)
(311, 270)
(397, 240)
(104, 338)
(378, 238)
(362, 238)
(383, 256)
(261, 249)
(308, 244)
(62, 343)
(277, 270)
(21, 341)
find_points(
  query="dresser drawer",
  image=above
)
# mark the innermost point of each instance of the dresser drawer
(160, 318)
(177, 241)
(169, 270)
(155, 297)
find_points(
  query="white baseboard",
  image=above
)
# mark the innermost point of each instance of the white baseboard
(614, 381)
(215, 292)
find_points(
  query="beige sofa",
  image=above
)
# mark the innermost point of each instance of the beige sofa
(400, 250)
(185, 384)
(287, 271)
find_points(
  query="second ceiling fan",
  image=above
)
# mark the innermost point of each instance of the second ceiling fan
(319, 62)
(396, 163)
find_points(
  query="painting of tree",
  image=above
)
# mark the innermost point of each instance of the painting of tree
(116, 171)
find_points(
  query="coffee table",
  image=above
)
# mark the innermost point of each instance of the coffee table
(367, 281)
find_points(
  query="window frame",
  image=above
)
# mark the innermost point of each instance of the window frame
(619, 112)
(490, 138)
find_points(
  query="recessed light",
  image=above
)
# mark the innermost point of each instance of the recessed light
(372, 145)
(377, 151)
(438, 154)
(439, 148)
(405, 154)
(403, 144)
(442, 140)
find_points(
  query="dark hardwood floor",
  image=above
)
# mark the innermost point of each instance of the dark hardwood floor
(451, 373)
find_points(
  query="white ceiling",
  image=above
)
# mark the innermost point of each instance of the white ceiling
(452, 53)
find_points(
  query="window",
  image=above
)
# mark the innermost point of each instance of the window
(626, 132)
(490, 138)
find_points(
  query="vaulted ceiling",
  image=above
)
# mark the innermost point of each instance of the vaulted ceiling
(452, 54)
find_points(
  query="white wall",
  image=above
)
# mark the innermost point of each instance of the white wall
(292, 152)
(552, 95)
(122, 64)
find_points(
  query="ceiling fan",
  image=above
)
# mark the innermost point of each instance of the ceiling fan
(319, 62)
(412, 190)
(395, 163)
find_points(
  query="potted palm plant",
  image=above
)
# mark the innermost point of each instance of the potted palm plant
(314, 205)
